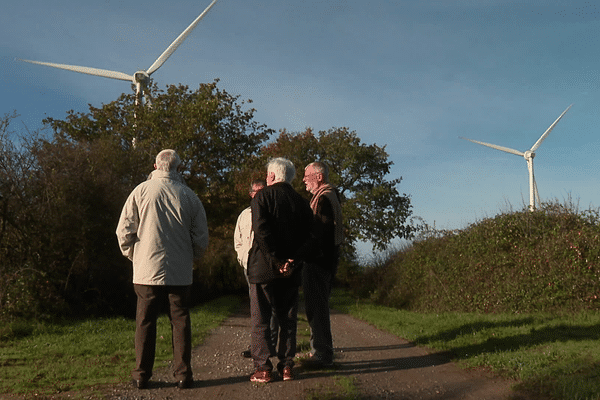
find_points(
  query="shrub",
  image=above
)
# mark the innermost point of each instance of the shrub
(546, 260)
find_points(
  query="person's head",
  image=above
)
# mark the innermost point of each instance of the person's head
(280, 170)
(316, 174)
(167, 160)
(256, 186)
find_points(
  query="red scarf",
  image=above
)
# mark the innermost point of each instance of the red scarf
(329, 191)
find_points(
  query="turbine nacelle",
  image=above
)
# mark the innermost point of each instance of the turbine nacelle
(142, 78)
(528, 155)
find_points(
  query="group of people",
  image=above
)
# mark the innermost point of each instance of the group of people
(282, 241)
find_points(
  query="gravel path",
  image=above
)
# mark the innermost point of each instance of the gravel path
(380, 365)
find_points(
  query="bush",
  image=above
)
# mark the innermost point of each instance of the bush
(546, 260)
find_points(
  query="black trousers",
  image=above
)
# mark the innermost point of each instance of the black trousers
(274, 322)
(150, 301)
(316, 286)
(282, 296)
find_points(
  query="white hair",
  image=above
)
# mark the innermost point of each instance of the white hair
(167, 160)
(283, 169)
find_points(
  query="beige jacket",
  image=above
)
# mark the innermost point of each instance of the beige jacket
(162, 229)
(243, 236)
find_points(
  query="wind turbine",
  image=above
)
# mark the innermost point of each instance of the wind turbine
(528, 155)
(140, 78)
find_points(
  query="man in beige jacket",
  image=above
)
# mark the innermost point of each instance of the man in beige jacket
(162, 229)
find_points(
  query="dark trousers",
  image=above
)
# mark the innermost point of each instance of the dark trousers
(274, 322)
(150, 301)
(282, 296)
(316, 285)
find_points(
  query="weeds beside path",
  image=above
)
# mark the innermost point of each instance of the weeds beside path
(370, 364)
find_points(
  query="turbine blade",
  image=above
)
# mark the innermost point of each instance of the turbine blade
(541, 139)
(167, 53)
(493, 146)
(86, 70)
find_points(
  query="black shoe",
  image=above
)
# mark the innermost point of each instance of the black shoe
(140, 383)
(247, 353)
(316, 363)
(185, 384)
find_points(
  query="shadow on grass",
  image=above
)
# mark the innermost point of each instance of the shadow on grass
(473, 328)
(535, 337)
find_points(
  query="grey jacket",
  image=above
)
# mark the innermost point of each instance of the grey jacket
(162, 229)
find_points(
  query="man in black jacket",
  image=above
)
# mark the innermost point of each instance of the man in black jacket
(319, 269)
(281, 221)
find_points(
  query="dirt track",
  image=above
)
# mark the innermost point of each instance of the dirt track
(381, 366)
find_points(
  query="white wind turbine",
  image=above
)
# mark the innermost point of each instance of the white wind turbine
(528, 155)
(141, 78)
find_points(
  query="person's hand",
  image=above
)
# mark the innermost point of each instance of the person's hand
(287, 268)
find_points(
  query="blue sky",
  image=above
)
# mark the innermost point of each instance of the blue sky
(411, 75)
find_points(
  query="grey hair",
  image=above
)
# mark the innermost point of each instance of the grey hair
(320, 168)
(283, 169)
(167, 160)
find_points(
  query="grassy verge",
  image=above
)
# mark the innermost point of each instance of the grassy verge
(555, 357)
(54, 358)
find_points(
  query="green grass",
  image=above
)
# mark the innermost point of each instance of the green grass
(54, 358)
(302, 335)
(555, 357)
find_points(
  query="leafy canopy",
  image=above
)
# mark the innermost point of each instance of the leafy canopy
(373, 209)
(209, 128)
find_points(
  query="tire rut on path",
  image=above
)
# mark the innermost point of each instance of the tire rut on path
(380, 365)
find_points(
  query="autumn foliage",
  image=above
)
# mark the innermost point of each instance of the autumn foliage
(62, 191)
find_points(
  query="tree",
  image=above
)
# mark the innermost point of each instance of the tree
(208, 127)
(24, 288)
(373, 209)
(114, 146)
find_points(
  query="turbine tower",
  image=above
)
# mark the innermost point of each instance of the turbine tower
(528, 155)
(141, 78)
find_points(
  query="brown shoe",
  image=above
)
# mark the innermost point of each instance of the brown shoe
(287, 374)
(261, 377)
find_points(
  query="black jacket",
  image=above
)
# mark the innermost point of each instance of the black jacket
(281, 221)
(321, 246)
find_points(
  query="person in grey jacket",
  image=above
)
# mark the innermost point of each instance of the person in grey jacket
(162, 230)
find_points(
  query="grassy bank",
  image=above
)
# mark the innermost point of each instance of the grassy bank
(54, 358)
(542, 261)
